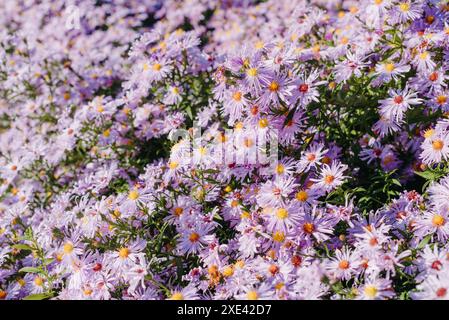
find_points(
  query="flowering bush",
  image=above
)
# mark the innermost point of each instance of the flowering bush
(221, 149)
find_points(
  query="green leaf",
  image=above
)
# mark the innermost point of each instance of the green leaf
(424, 242)
(38, 296)
(46, 262)
(189, 112)
(396, 182)
(431, 174)
(30, 270)
(22, 246)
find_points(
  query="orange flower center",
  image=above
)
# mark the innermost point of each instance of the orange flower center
(178, 211)
(194, 237)
(308, 227)
(344, 264)
(302, 196)
(438, 144)
(311, 157)
(329, 179)
(441, 99)
(274, 86)
(430, 19)
(237, 96)
(296, 261)
(433, 76)
(273, 269)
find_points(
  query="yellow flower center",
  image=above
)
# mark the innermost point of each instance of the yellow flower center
(370, 291)
(100, 108)
(438, 220)
(259, 45)
(282, 213)
(239, 125)
(245, 215)
(263, 123)
(279, 285)
(177, 296)
(38, 281)
(21, 282)
(202, 151)
(252, 72)
(247, 142)
(428, 133)
(228, 271)
(280, 169)
(157, 66)
(423, 56)
(404, 7)
(173, 165)
(68, 248)
(123, 253)
(133, 195)
(252, 295)
(87, 292)
(389, 67)
(301, 196)
(278, 236)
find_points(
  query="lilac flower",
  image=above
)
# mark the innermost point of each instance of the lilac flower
(398, 103)
(376, 288)
(275, 90)
(352, 65)
(389, 70)
(330, 176)
(306, 91)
